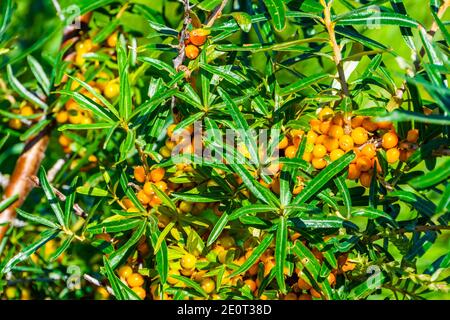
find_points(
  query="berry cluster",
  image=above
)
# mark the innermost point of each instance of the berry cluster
(194, 40)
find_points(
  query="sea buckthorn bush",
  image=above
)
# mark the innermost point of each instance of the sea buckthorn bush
(214, 149)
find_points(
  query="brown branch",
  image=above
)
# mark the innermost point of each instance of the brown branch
(216, 13)
(416, 229)
(29, 161)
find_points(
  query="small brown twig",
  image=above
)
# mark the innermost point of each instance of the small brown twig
(216, 13)
(97, 283)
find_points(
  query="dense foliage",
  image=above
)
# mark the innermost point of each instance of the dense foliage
(214, 149)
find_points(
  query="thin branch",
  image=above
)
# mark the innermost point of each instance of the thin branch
(217, 13)
(97, 283)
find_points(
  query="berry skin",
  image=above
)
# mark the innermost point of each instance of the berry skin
(15, 124)
(389, 140)
(304, 297)
(331, 279)
(369, 125)
(338, 119)
(336, 154)
(161, 185)
(369, 151)
(192, 51)
(148, 189)
(315, 125)
(135, 280)
(346, 142)
(314, 293)
(359, 135)
(413, 135)
(208, 285)
(64, 141)
(319, 151)
(157, 174)
(365, 179)
(307, 156)
(331, 143)
(392, 155)
(143, 197)
(336, 131)
(319, 163)
(363, 163)
(290, 152)
(165, 152)
(125, 272)
(290, 296)
(302, 284)
(326, 114)
(311, 137)
(112, 89)
(198, 37)
(353, 172)
(172, 280)
(141, 293)
(325, 127)
(384, 125)
(112, 40)
(357, 121)
(62, 116)
(283, 143)
(188, 261)
(250, 284)
(139, 174)
(26, 111)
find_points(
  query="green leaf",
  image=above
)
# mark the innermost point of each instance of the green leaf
(277, 12)
(321, 223)
(163, 235)
(377, 18)
(345, 193)
(371, 213)
(4, 204)
(254, 208)
(70, 200)
(209, 5)
(191, 284)
(438, 175)
(114, 226)
(63, 247)
(120, 289)
(22, 91)
(324, 177)
(39, 74)
(164, 198)
(37, 219)
(51, 197)
(162, 257)
(280, 252)
(127, 145)
(244, 20)
(34, 130)
(125, 100)
(87, 126)
(217, 230)
(129, 192)
(256, 253)
(117, 256)
(93, 191)
(302, 83)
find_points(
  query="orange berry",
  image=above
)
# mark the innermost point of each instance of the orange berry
(290, 296)
(413, 135)
(389, 140)
(314, 293)
(319, 163)
(304, 297)
(384, 125)
(336, 131)
(188, 261)
(353, 172)
(357, 121)
(331, 279)
(148, 189)
(112, 40)
(325, 127)
(359, 135)
(315, 125)
(139, 173)
(320, 139)
(331, 143)
(376, 164)
(290, 152)
(125, 272)
(198, 37)
(135, 280)
(392, 155)
(319, 151)
(143, 197)
(283, 143)
(172, 280)
(338, 119)
(311, 137)
(365, 179)
(297, 189)
(64, 141)
(157, 174)
(208, 285)
(369, 151)
(369, 125)
(192, 51)
(302, 284)
(326, 114)
(112, 89)
(363, 163)
(26, 111)
(307, 156)
(251, 284)
(141, 293)
(336, 154)
(62, 116)
(346, 142)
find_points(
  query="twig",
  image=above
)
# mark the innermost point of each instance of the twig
(78, 210)
(97, 283)
(217, 13)
(416, 229)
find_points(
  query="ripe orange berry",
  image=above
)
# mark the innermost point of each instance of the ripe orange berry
(365, 179)
(161, 185)
(64, 141)
(192, 51)
(336, 154)
(384, 125)
(376, 164)
(290, 152)
(302, 284)
(251, 284)
(143, 197)
(290, 296)
(369, 125)
(338, 119)
(297, 189)
(62, 116)
(315, 125)
(198, 37)
(112, 89)
(353, 172)
(413, 135)
(112, 40)
(389, 140)
(363, 163)
(283, 143)
(314, 293)
(320, 139)
(331, 279)
(172, 280)
(326, 114)
(135, 280)
(208, 285)
(125, 272)
(325, 127)
(157, 174)
(319, 151)
(188, 261)
(148, 189)
(311, 137)
(26, 111)
(359, 135)
(369, 151)
(141, 293)
(336, 131)
(319, 163)
(357, 121)
(139, 173)
(392, 155)
(307, 156)
(304, 297)
(346, 142)
(331, 143)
